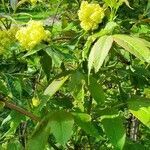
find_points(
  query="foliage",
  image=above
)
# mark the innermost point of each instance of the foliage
(74, 74)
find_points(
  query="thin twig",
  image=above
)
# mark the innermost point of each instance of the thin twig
(56, 14)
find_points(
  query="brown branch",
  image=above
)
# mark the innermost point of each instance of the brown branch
(20, 110)
(62, 38)
(24, 112)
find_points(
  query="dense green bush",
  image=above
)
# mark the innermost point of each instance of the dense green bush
(74, 74)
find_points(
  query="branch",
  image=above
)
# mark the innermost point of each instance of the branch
(24, 112)
(20, 110)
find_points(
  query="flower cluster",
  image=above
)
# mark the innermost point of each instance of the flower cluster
(32, 34)
(90, 15)
(6, 39)
(35, 101)
(33, 2)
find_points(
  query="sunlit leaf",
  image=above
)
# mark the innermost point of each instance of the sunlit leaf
(140, 108)
(55, 86)
(135, 46)
(110, 26)
(99, 52)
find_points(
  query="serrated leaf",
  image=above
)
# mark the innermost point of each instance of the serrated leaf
(140, 108)
(99, 52)
(62, 126)
(114, 129)
(55, 86)
(135, 46)
(96, 91)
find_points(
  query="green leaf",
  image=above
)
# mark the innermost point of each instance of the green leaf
(116, 3)
(55, 86)
(96, 91)
(40, 136)
(99, 52)
(114, 129)
(2, 104)
(140, 108)
(62, 126)
(14, 145)
(35, 50)
(147, 43)
(84, 121)
(18, 87)
(82, 116)
(3, 87)
(55, 55)
(15, 119)
(46, 63)
(108, 29)
(111, 3)
(135, 46)
(59, 123)
(78, 95)
(76, 87)
(110, 26)
(133, 146)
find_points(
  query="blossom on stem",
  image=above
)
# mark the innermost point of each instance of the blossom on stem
(90, 15)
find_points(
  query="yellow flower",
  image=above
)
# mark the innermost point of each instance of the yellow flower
(31, 35)
(33, 2)
(90, 15)
(35, 101)
(6, 39)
